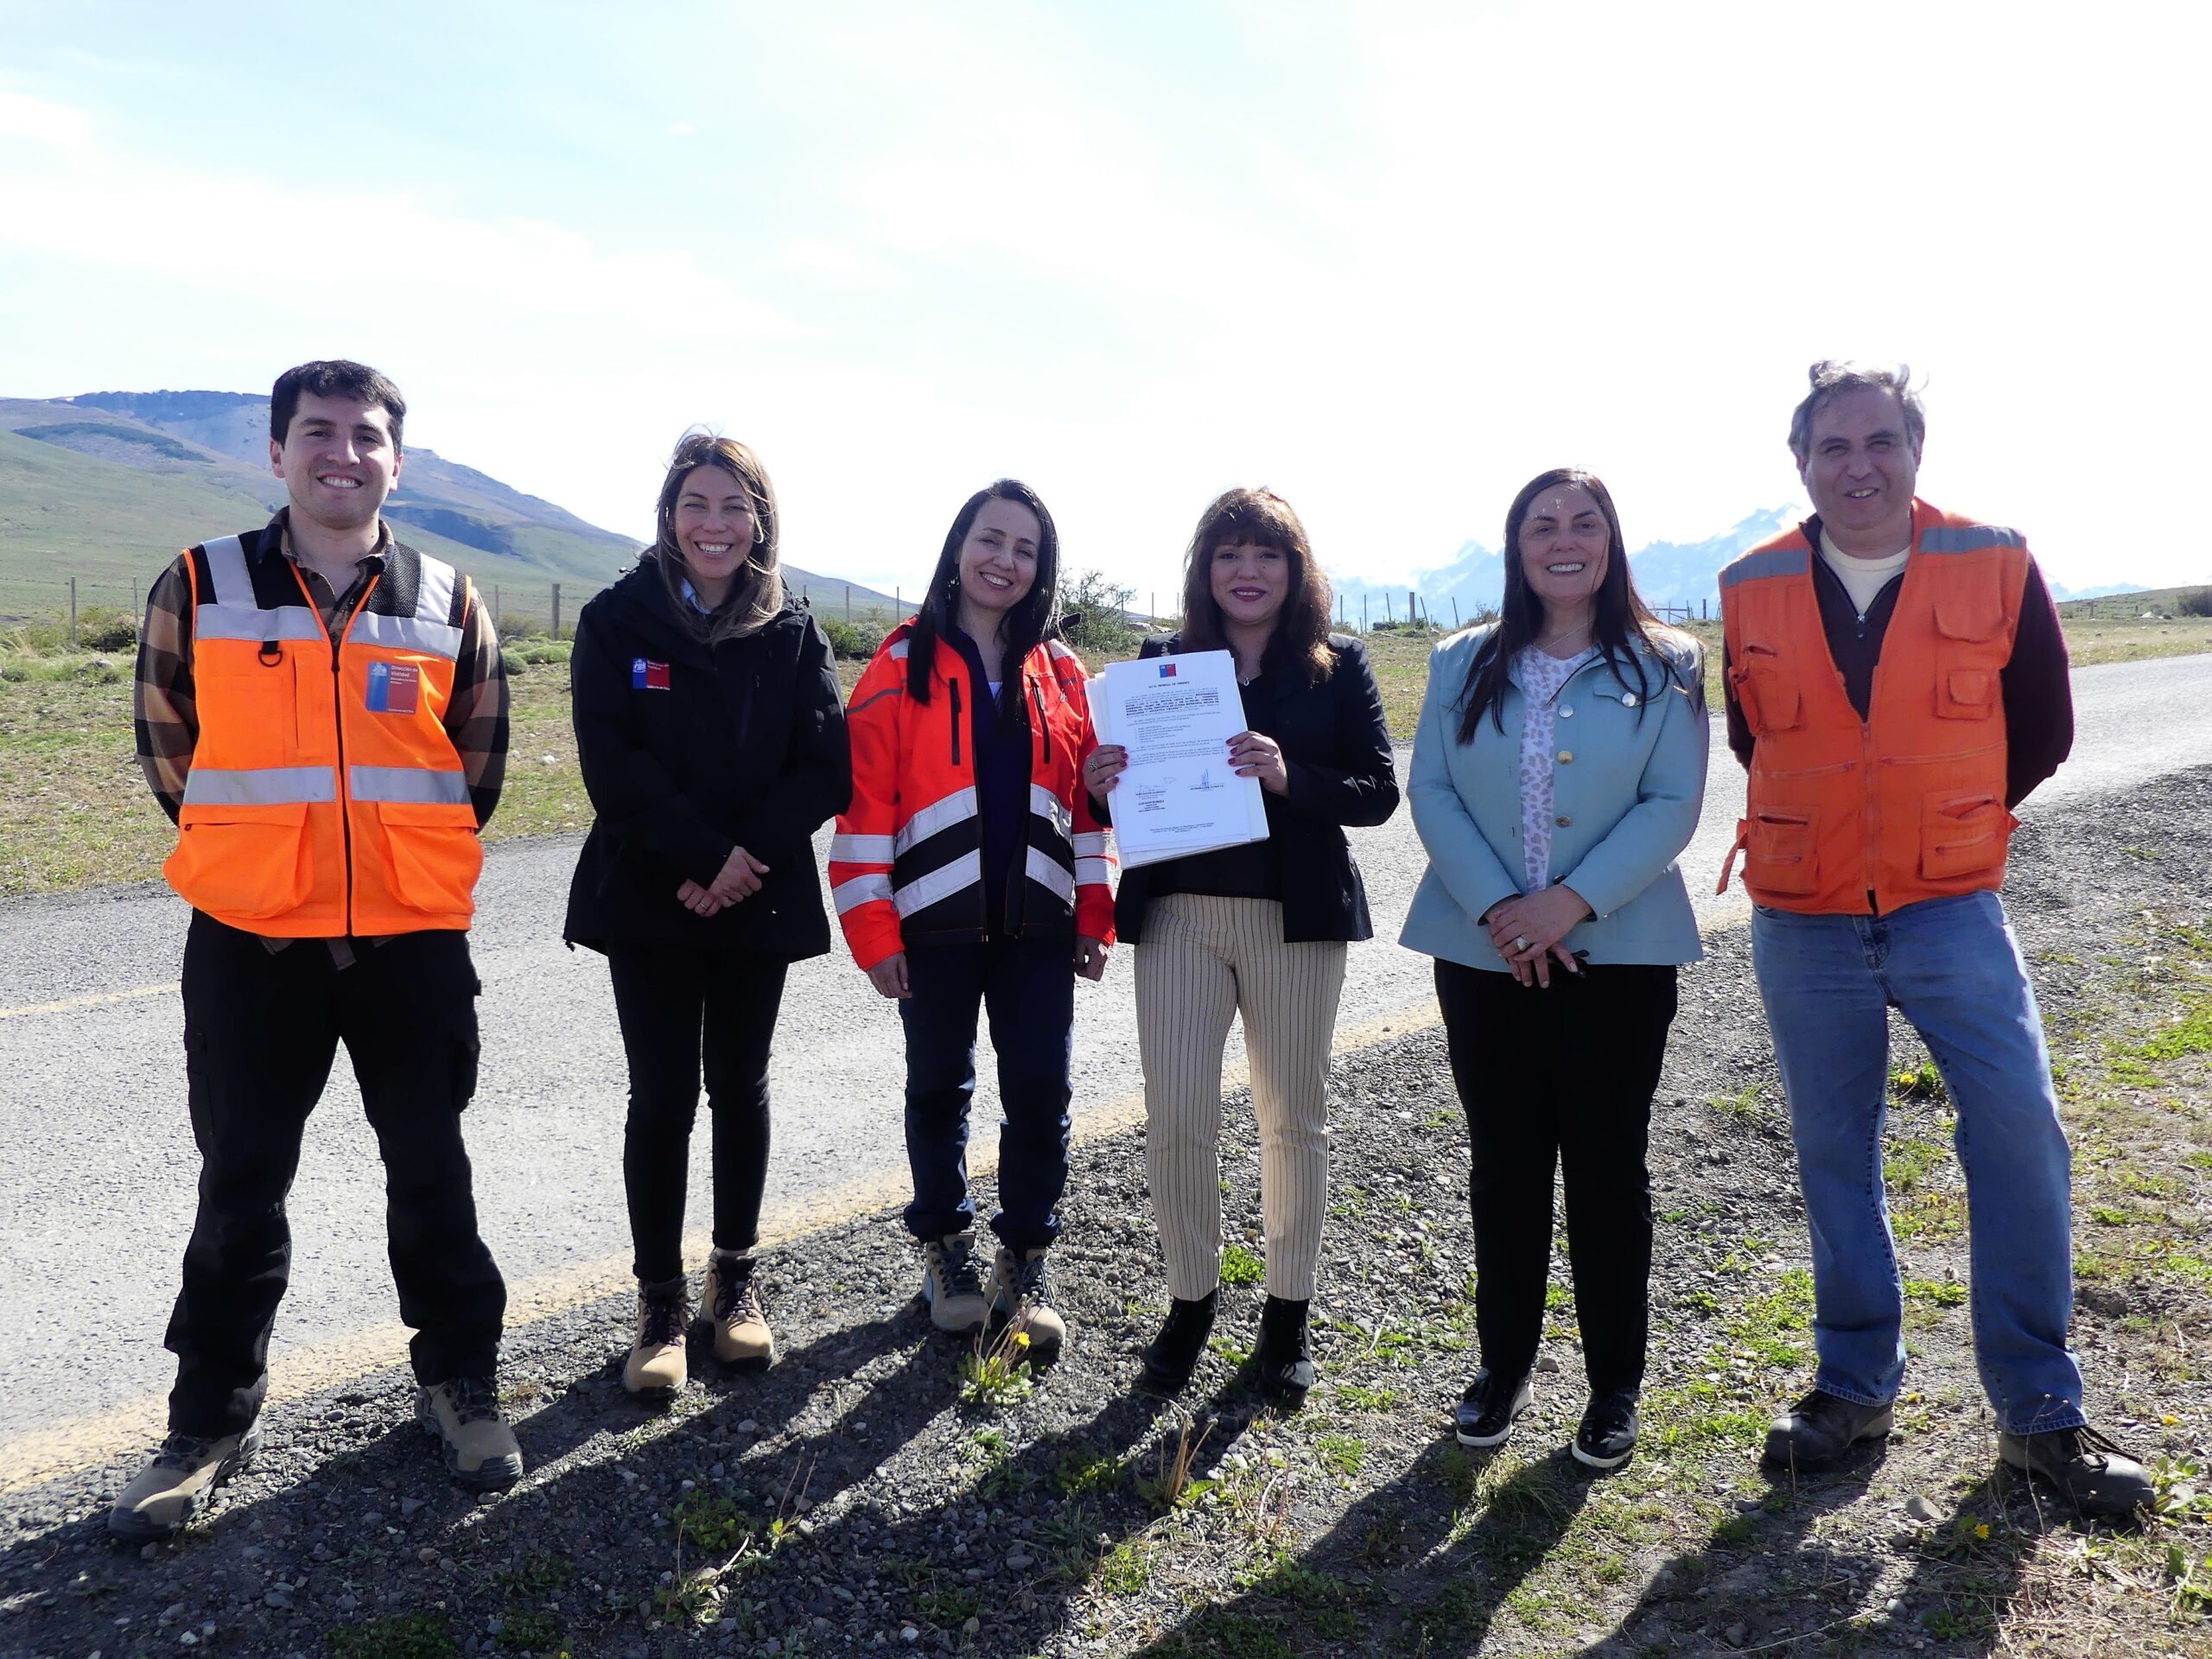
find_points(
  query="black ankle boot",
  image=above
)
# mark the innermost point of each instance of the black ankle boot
(1174, 1353)
(1284, 1358)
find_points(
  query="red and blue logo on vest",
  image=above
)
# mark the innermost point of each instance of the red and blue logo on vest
(1167, 670)
(646, 675)
(394, 688)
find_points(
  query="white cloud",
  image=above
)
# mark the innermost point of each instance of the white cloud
(34, 118)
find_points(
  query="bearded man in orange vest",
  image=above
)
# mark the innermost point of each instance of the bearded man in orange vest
(321, 710)
(1896, 683)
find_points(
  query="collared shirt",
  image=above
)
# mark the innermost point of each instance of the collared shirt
(1541, 677)
(166, 712)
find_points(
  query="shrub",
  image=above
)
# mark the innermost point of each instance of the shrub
(1095, 612)
(511, 662)
(2198, 601)
(100, 628)
(854, 642)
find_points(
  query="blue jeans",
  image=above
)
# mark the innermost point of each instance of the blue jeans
(1028, 987)
(1953, 969)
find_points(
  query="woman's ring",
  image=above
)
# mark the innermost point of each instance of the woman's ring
(1521, 942)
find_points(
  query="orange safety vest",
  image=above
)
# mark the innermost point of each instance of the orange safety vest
(907, 858)
(1908, 804)
(325, 797)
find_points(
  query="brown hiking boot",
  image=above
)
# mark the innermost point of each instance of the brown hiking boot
(179, 1484)
(656, 1368)
(1818, 1433)
(731, 1306)
(463, 1414)
(951, 1285)
(2091, 1473)
(1020, 1295)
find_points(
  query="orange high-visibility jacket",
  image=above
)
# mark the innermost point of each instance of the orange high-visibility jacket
(325, 797)
(1908, 804)
(907, 859)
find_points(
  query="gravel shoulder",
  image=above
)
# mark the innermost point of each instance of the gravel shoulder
(858, 1498)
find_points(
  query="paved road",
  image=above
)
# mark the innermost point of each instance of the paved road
(99, 1160)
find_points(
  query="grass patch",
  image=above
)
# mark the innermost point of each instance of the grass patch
(404, 1636)
(1240, 1266)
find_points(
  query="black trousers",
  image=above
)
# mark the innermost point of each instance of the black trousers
(680, 1010)
(261, 1030)
(1564, 1077)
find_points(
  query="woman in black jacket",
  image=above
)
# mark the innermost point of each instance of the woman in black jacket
(712, 734)
(1259, 929)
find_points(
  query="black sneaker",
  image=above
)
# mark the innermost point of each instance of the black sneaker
(2091, 1473)
(1174, 1354)
(1284, 1358)
(1818, 1433)
(1608, 1431)
(1488, 1407)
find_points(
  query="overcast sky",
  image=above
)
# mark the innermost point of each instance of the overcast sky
(1392, 259)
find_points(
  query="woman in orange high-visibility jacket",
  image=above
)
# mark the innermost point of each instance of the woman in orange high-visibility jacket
(970, 873)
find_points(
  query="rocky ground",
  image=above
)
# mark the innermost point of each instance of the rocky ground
(863, 1496)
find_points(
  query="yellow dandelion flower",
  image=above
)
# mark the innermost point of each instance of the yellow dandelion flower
(1982, 1531)
(1021, 1339)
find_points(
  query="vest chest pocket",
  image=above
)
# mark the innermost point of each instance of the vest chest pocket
(1767, 695)
(243, 861)
(1971, 649)
(1779, 854)
(433, 852)
(1963, 834)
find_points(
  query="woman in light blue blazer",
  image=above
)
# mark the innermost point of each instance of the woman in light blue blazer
(1558, 772)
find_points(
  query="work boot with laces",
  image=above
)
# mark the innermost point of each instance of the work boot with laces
(731, 1306)
(1172, 1357)
(2091, 1473)
(463, 1414)
(1021, 1299)
(951, 1284)
(656, 1368)
(1818, 1433)
(179, 1484)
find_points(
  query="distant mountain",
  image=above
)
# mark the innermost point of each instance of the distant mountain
(2109, 591)
(110, 484)
(1667, 573)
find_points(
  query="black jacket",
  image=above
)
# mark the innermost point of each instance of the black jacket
(744, 747)
(1337, 751)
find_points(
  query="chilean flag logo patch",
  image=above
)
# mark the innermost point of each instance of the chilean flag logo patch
(1167, 670)
(646, 675)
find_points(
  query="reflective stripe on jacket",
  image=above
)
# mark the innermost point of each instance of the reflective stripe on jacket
(907, 859)
(325, 797)
(1910, 803)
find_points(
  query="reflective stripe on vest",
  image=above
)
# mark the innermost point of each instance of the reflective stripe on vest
(411, 784)
(235, 614)
(260, 785)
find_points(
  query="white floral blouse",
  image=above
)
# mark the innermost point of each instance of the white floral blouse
(1540, 677)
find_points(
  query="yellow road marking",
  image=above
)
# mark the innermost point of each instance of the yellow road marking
(131, 1429)
(94, 1000)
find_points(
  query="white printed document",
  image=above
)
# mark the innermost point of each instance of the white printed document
(1175, 716)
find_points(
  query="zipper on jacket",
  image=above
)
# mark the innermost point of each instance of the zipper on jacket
(1045, 726)
(338, 721)
(955, 684)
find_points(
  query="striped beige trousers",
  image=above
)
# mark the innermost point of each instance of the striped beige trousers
(1204, 960)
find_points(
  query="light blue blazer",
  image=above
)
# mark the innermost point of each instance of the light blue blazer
(1624, 806)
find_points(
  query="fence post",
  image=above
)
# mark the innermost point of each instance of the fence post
(72, 612)
(1413, 613)
(1455, 613)
(898, 603)
(557, 610)
(1363, 612)
(495, 608)
(848, 601)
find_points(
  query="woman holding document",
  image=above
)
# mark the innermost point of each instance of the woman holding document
(970, 874)
(1257, 928)
(1558, 770)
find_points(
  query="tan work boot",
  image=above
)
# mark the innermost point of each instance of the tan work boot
(731, 1306)
(951, 1284)
(463, 1414)
(656, 1368)
(1021, 1298)
(179, 1484)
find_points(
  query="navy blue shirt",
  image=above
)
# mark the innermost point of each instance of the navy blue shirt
(1002, 784)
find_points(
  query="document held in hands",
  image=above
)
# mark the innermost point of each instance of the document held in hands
(1175, 716)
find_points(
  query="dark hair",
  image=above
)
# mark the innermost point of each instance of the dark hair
(1621, 615)
(334, 378)
(1024, 626)
(757, 592)
(1260, 517)
(1832, 377)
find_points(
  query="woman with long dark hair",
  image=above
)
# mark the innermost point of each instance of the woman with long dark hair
(970, 875)
(712, 736)
(1558, 772)
(1259, 929)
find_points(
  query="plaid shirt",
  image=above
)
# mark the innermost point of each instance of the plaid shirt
(168, 718)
